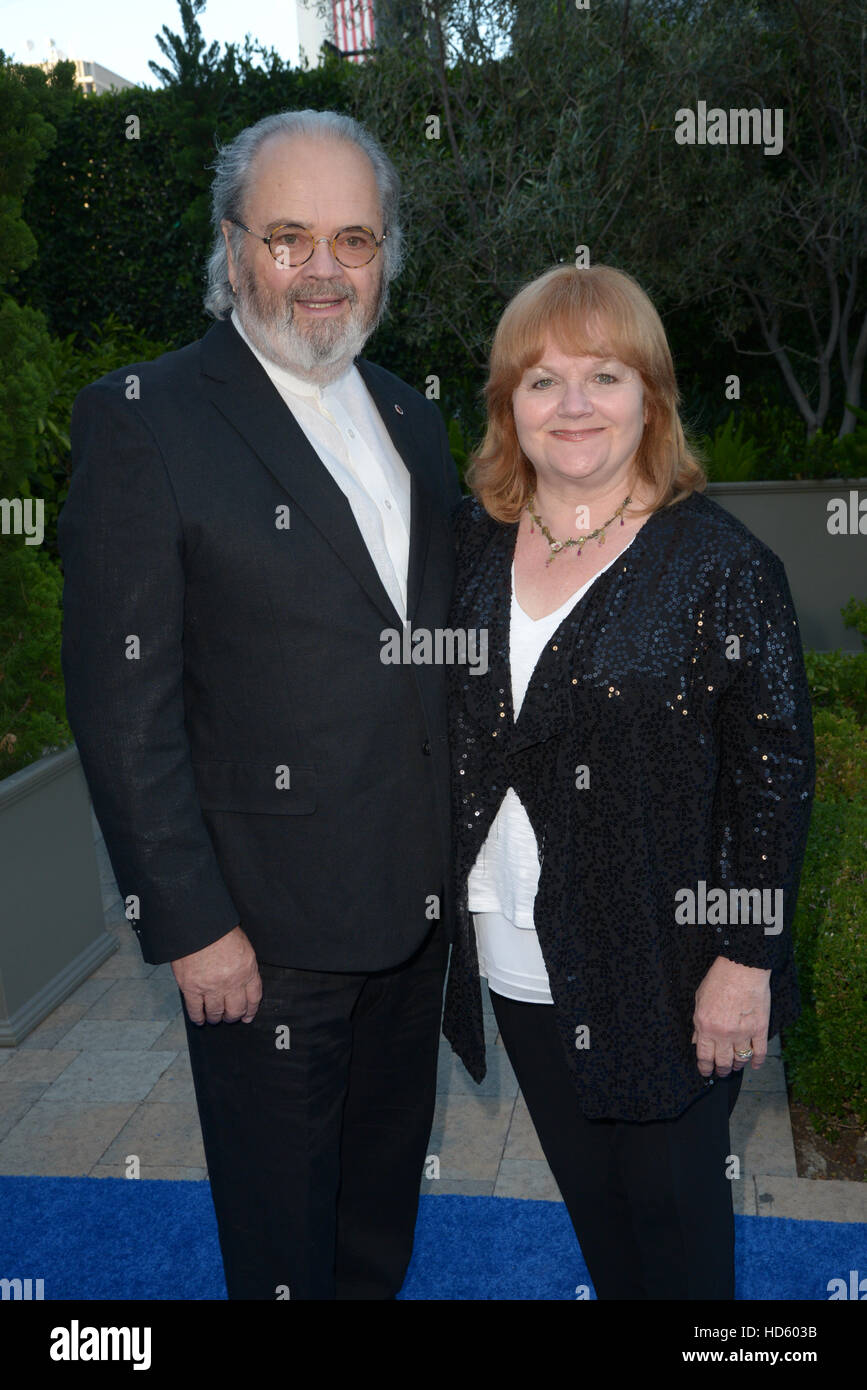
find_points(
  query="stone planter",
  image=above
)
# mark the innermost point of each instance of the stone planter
(824, 569)
(52, 931)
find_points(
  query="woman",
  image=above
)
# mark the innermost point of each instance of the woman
(632, 784)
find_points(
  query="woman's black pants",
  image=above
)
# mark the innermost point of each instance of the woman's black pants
(651, 1202)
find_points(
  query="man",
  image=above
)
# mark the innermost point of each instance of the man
(247, 518)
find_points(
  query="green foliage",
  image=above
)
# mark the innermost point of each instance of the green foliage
(828, 455)
(32, 710)
(26, 386)
(776, 432)
(545, 143)
(403, 22)
(32, 707)
(134, 213)
(841, 755)
(734, 453)
(838, 681)
(458, 444)
(27, 97)
(25, 138)
(71, 365)
(189, 60)
(826, 1048)
(39, 379)
(855, 615)
(730, 455)
(773, 246)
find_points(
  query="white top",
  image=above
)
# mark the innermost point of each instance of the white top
(504, 880)
(348, 433)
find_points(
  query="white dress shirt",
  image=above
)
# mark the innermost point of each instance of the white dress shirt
(348, 434)
(505, 877)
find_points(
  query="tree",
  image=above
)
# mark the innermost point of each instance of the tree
(25, 347)
(191, 62)
(777, 242)
(31, 685)
(517, 143)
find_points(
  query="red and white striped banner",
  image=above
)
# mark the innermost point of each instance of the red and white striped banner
(353, 25)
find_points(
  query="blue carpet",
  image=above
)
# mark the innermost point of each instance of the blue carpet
(115, 1238)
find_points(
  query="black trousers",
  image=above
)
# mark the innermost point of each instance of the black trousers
(315, 1119)
(650, 1202)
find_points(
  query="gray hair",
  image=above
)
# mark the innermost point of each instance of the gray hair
(231, 178)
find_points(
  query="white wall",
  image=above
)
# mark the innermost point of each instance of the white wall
(311, 29)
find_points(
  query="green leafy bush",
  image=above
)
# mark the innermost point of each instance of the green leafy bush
(72, 363)
(731, 456)
(855, 615)
(25, 391)
(32, 706)
(841, 756)
(825, 1050)
(778, 435)
(778, 429)
(828, 456)
(838, 680)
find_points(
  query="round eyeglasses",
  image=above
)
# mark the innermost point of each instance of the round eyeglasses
(289, 245)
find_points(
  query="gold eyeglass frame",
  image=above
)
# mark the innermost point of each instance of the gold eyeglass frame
(316, 240)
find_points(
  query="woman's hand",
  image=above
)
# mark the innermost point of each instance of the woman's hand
(732, 1009)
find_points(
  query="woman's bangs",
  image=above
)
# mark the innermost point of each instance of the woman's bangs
(579, 325)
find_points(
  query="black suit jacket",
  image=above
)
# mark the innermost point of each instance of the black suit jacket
(250, 758)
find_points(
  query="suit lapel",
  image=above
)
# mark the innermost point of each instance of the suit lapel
(254, 407)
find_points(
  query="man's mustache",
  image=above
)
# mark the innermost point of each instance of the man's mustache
(339, 291)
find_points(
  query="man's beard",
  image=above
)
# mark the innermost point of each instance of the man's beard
(317, 351)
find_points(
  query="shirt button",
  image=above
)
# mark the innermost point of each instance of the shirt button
(388, 504)
(425, 748)
(351, 433)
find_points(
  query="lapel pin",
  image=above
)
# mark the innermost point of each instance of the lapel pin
(399, 409)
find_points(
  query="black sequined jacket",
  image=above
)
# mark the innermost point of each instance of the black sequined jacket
(664, 744)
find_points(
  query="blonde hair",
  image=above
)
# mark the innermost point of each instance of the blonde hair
(593, 312)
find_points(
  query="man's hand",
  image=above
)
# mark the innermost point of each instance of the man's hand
(732, 1011)
(221, 983)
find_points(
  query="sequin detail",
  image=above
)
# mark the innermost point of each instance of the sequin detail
(701, 768)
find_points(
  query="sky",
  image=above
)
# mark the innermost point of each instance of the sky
(120, 35)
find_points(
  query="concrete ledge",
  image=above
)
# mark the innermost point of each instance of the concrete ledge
(805, 1199)
(14, 1030)
(527, 1178)
(761, 1134)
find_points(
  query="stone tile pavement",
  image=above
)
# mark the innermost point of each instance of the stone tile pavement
(107, 1075)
